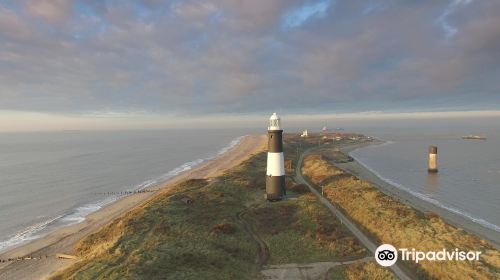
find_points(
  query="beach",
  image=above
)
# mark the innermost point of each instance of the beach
(359, 170)
(62, 240)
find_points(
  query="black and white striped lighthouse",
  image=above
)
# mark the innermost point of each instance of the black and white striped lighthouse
(275, 179)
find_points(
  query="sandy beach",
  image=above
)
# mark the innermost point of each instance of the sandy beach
(62, 240)
(358, 170)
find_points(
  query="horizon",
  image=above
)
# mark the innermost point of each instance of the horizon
(12, 121)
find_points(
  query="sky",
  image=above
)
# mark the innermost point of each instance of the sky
(129, 63)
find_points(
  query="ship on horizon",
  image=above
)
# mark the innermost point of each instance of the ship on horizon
(474, 137)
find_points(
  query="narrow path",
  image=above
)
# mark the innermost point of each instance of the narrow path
(263, 249)
(345, 220)
(307, 271)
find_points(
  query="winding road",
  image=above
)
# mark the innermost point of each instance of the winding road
(345, 220)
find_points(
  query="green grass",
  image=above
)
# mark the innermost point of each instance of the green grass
(333, 154)
(302, 231)
(337, 273)
(168, 239)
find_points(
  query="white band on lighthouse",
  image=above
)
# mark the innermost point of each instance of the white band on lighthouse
(432, 161)
(275, 164)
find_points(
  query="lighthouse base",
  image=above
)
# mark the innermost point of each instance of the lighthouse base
(275, 187)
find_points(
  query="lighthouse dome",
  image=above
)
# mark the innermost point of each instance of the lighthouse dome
(274, 122)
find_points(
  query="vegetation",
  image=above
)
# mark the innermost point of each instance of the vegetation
(168, 239)
(402, 226)
(214, 236)
(302, 231)
(294, 147)
(334, 155)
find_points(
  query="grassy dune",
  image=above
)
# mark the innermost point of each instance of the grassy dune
(392, 222)
(168, 239)
(302, 231)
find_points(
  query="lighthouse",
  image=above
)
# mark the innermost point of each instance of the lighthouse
(433, 150)
(275, 175)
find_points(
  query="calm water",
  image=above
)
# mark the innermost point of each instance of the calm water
(468, 181)
(50, 179)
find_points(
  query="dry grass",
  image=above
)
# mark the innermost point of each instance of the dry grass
(402, 226)
(296, 188)
(303, 231)
(168, 239)
(368, 270)
(321, 172)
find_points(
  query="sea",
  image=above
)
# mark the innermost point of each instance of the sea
(54, 179)
(468, 181)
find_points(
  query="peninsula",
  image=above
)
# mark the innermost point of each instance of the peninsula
(214, 223)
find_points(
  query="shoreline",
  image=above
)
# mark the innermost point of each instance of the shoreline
(359, 170)
(63, 239)
(79, 213)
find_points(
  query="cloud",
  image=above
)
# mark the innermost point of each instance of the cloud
(223, 57)
(12, 26)
(193, 10)
(54, 11)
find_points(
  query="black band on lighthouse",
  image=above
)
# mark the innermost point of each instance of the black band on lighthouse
(275, 141)
(433, 150)
(274, 187)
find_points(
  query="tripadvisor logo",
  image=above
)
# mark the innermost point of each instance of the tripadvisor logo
(387, 255)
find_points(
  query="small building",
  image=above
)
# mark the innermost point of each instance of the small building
(304, 133)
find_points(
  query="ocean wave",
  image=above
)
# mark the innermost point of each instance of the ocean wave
(80, 213)
(231, 145)
(27, 234)
(185, 167)
(190, 165)
(426, 198)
